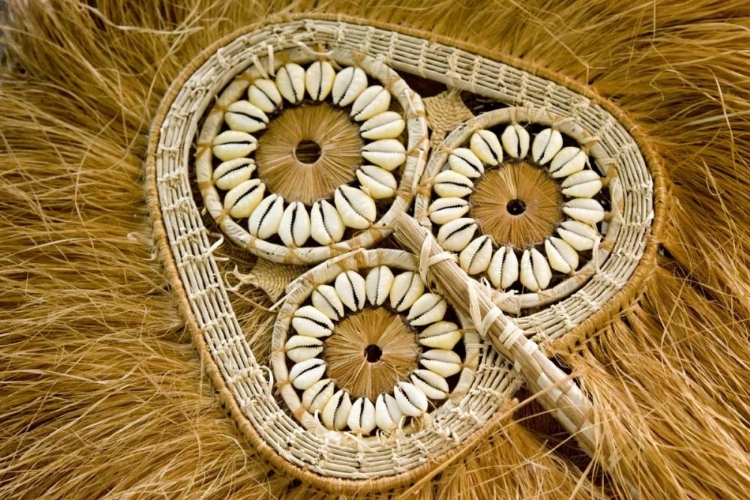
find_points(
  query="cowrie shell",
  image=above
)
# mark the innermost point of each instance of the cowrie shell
(336, 412)
(246, 117)
(584, 210)
(326, 226)
(503, 270)
(441, 361)
(411, 400)
(387, 125)
(300, 348)
(444, 210)
(357, 210)
(515, 141)
(547, 144)
(456, 234)
(241, 200)
(318, 395)
(362, 416)
(475, 258)
(535, 271)
(319, 79)
(264, 95)
(377, 182)
(562, 257)
(305, 373)
(406, 289)
(294, 229)
(378, 284)
(486, 146)
(372, 101)
(290, 80)
(326, 300)
(387, 153)
(351, 289)
(583, 184)
(568, 161)
(232, 144)
(310, 322)
(387, 412)
(450, 184)
(265, 219)
(233, 172)
(580, 236)
(441, 335)
(466, 163)
(429, 308)
(348, 85)
(433, 385)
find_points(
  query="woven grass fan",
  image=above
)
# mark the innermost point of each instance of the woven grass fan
(552, 196)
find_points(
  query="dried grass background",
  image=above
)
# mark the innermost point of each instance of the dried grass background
(101, 392)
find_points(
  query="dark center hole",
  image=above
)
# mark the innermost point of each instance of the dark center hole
(373, 353)
(307, 151)
(516, 207)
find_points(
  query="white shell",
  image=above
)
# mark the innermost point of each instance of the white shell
(232, 144)
(584, 210)
(406, 289)
(372, 101)
(241, 200)
(450, 184)
(535, 271)
(357, 209)
(583, 184)
(265, 219)
(433, 385)
(233, 172)
(429, 308)
(387, 125)
(568, 161)
(326, 300)
(441, 361)
(305, 373)
(503, 270)
(515, 141)
(486, 146)
(475, 258)
(336, 412)
(290, 80)
(311, 322)
(294, 229)
(264, 95)
(319, 79)
(318, 395)
(362, 416)
(466, 163)
(547, 144)
(411, 401)
(456, 234)
(326, 226)
(352, 290)
(301, 348)
(348, 85)
(444, 210)
(376, 182)
(441, 335)
(387, 153)
(246, 117)
(579, 235)
(378, 284)
(387, 412)
(562, 257)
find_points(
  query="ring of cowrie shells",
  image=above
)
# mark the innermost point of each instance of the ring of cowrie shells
(313, 159)
(372, 351)
(526, 201)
